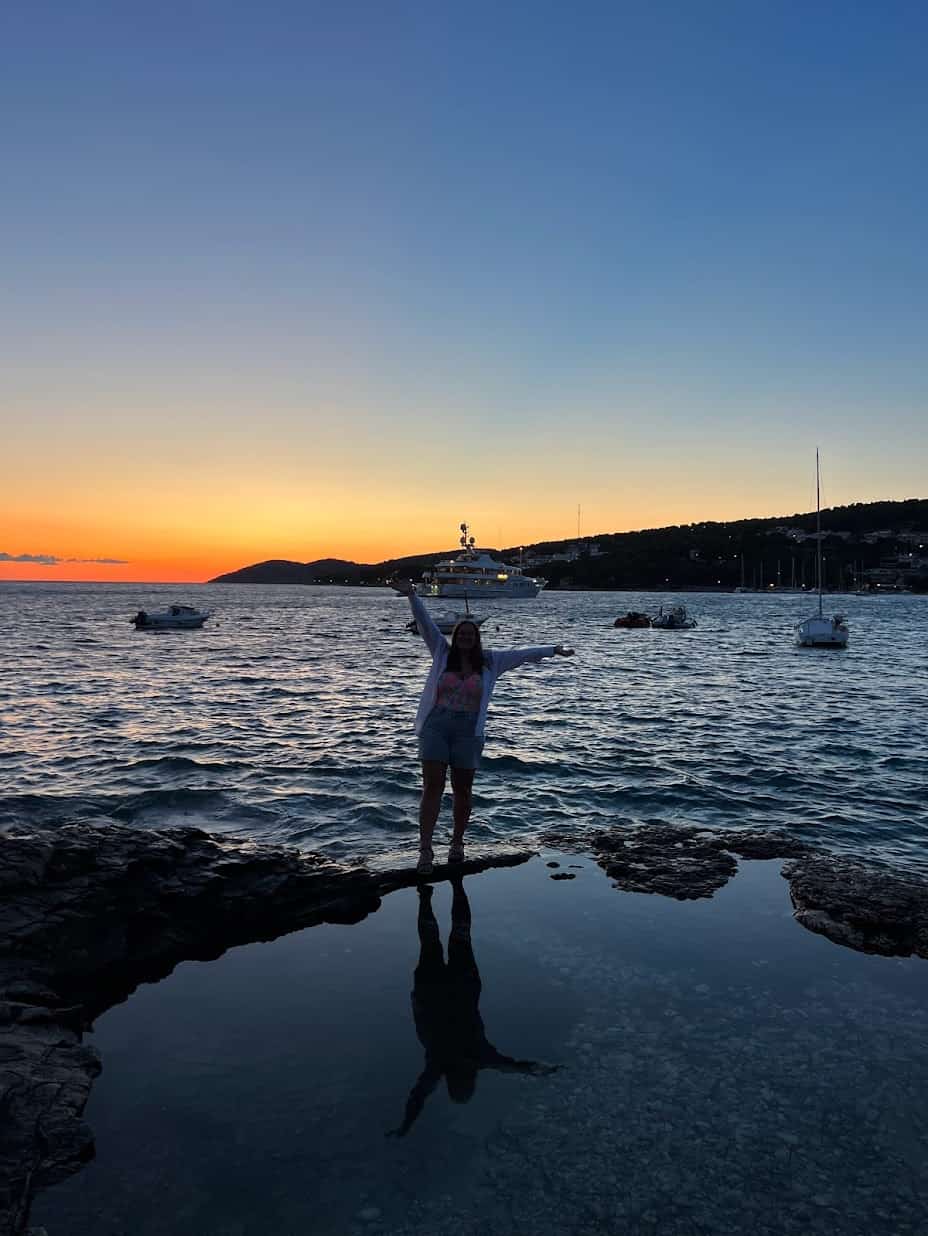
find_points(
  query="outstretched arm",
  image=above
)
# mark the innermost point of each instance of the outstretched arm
(428, 1080)
(510, 658)
(424, 620)
(490, 1058)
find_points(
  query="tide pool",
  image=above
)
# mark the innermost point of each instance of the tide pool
(656, 1067)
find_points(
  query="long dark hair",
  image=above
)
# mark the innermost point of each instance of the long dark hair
(478, 657)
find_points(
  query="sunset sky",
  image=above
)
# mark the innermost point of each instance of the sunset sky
(299, 280)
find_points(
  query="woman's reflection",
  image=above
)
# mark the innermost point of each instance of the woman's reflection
(445, 1007)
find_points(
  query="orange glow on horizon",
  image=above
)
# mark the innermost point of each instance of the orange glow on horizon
(202, 555)
(188, 523)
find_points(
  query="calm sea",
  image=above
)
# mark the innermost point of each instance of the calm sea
(289, 717)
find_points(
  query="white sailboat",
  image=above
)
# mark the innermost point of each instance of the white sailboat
(819, 631)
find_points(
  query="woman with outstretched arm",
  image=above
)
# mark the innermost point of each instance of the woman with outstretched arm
(451, 717)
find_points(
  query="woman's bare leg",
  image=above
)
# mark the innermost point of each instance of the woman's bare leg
(462, 781)
(431, 955)
(433, 786)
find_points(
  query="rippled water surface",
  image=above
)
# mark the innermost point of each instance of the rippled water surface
(289, 717)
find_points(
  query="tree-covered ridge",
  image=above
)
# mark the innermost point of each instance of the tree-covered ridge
(862, 538)
(856, 540)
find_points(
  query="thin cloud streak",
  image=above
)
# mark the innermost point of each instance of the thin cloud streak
(53, 560)
(38, 559)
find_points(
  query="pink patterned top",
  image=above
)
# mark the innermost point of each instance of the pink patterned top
(460, 693)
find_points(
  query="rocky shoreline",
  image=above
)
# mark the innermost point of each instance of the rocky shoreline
(89, 912)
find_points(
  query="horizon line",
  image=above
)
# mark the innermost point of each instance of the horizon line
(426, 553)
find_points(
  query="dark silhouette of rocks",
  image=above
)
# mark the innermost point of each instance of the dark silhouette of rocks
(678, 863)
(864, 908)
(683, 863)
(859, 905)
(280, 571)
(87, 913)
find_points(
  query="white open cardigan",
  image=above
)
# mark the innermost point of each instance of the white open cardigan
(496, 663)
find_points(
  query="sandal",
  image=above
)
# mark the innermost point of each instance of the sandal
(426, 862)
(456, 852)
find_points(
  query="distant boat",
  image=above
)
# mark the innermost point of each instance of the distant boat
(819, 631)
(447, 622)
(632, 621)
(742, 587)
(174, 618)
(675, 619)
(474, 573)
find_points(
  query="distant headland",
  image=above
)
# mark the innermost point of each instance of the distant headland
(868, 545)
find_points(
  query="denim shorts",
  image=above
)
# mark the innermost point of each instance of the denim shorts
(448, 737)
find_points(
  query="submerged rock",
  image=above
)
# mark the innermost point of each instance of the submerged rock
(859, 905)
(89, 912)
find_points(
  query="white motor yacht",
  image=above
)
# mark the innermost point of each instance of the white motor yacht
(174, 618)
(474, 573)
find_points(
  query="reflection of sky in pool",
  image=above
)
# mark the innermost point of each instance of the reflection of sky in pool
(724, 1071)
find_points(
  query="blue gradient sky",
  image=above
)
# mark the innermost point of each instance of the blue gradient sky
(354, 273)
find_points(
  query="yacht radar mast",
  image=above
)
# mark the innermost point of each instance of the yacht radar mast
(475, 573)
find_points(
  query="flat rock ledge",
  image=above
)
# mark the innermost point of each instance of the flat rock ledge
(860, 905)
(89, 912)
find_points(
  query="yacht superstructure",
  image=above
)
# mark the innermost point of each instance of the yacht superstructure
(474, 573)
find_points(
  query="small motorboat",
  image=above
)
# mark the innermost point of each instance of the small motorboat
(820, 632)
(675, 619)
(632, 620)
(174, 618)
(447, 622)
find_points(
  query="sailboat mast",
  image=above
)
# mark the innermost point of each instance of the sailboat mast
(818, 534)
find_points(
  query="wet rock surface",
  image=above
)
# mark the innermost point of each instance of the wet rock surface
(861, 906)
(87, 913)
(684, 863)
(851, 904)
(663, 860)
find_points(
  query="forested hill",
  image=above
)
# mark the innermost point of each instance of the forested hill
(280, 571)
(781, 548)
